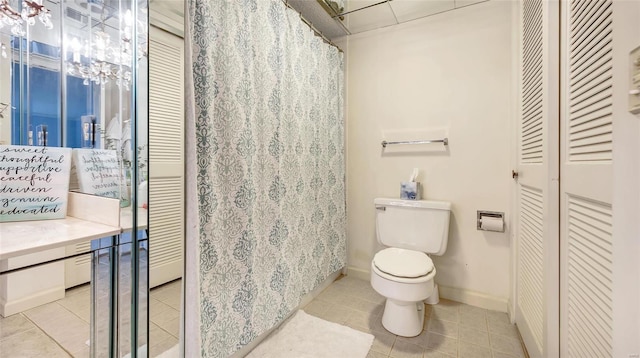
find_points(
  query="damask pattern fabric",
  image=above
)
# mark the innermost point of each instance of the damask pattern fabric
(270, 166)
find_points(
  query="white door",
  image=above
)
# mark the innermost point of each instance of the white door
(166, 156)
(586, 188)
(537, 247)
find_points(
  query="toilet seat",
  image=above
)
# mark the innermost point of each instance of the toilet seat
(403, 265)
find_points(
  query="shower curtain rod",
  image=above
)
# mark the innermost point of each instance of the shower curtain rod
(313, 28)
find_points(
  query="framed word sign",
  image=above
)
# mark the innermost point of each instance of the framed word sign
(98, 172)
(34, 182)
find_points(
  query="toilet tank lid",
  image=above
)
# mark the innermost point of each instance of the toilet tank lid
(426, 204)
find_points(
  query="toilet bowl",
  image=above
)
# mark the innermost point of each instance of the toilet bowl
(405, 288)
(403, 272)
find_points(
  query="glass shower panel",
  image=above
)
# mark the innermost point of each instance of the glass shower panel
(132, 291)
(142, 313)
(103, 285)
(124, 299)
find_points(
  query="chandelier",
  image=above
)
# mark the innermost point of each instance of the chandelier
(30, 10)
(105, 61)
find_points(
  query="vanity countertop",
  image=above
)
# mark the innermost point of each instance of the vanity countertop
(25, 237)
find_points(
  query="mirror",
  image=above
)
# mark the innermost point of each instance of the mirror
(68, 79)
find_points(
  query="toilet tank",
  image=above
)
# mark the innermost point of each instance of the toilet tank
(420, 225)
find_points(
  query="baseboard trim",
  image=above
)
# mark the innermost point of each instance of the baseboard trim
(8, 308)
(305, 301)
(461, 295)
(359, 273)
(474, 298)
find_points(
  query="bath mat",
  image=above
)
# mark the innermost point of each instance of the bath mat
(308, 336)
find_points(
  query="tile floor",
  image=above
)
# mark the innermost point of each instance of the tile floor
(451, 329)
(61, 328)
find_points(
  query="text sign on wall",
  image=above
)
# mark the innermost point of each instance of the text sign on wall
(34, 182)
(98, 172)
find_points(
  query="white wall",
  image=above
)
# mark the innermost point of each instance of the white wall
(449, 73)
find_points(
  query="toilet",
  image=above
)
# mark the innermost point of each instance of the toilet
(403, 272)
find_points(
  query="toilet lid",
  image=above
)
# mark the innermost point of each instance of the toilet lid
(403, 263)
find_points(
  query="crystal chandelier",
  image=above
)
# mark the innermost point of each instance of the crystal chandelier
(30, 10)
(108, 62)
(103, 63)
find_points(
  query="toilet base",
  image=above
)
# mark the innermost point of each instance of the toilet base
(404, 319)
(434, 299)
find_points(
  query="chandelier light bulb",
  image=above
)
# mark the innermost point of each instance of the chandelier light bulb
(102, 42)
(128, 18)
(75, 45)
(75, 48)
(86, 48)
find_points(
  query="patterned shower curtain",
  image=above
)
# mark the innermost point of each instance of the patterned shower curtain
(266, 167)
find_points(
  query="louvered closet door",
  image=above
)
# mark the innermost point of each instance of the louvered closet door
(586, 186)
(166, 156)
(536, 245)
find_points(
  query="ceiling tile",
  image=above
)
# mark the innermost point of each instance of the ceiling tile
(406, 10)
(370, 18)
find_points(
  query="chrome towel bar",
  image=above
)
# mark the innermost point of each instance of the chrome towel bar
(444, 141)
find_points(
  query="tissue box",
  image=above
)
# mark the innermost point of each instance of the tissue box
(410, 190)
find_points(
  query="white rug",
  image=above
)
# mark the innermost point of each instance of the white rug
(308, 336)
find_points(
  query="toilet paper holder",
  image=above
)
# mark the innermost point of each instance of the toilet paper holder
(489, 214)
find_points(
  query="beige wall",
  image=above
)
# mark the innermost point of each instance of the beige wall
(448, 74)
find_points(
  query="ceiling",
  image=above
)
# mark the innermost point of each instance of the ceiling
(364, 15)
